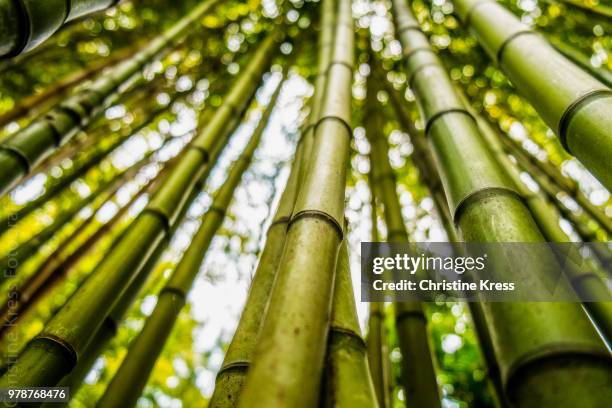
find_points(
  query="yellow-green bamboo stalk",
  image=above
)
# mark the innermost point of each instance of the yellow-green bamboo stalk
(542, 348)
(25, 24)
(418, 373)
(348, 382)
(376, 340)
(132, 376)
(423, 158)
(290, 353)
(575, 105)
(25, 149)
(230, 378)
(55, 352)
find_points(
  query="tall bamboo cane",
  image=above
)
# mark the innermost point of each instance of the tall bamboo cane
(23, 150)
(14, 259)
(557, 183)
(79, 170)
(418, 373)
(423, 159)
(131, 378)
(230, 378)
(585, 280)
(597, 8)
(55, 352)
(580, 59)
(541, 348)
(290, 353)
(574, 104)
(27, 23)
(347, 382)
(376, 341)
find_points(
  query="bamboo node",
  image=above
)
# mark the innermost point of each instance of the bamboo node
(236, 364)
(15, 152)
(336, 118)
(480, 194)
(500, 51)
(573, 109)
(65, 346)
(320, 215)
(441, 113)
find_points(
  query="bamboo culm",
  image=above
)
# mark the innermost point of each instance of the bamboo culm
(429, 174)
(55, 352)
(347, 379)
(62, 260)
(76, 172)
(14, 259)
(289, 357)
(572, 103)
(231, 377)
(586, 282)
(131, 378)
(21, 152)
(27, 23)
(418, 373)
(541, 348)
(376, 341)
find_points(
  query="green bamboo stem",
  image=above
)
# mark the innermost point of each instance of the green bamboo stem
(231, 376)
(347, 381)
(325, 55)
(549, 354)
(25, 149)
(10, 264)
(56, 350)
(418, 373)
(423, 158)
(376, 341)
(586, 282)
(28, 104)
(61, 261)
(131, 378)
(600, 9)
(78, 171)
(290, 353)
(558, 183)
(570, 101)
(27, 24)
(578, 58)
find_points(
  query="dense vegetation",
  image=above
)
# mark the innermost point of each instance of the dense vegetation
(185, 187)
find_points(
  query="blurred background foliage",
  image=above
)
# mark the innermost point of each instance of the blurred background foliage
(191, 79)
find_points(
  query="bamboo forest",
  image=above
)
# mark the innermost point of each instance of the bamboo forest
(187, 188)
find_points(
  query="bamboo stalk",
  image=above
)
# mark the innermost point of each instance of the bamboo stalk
(558, 183)
(418, 373)
(30, 103)
(376, 341)
(56, 350)
(25, 149)
(14, 259)
(27, 24)
(131, 378)
(423, 158)
(290, 352)
(578, 58)
(231, 377)
(78, 171)
(347, 382)
(61, 261)
(570, 101)
(597, 8)
(549, 354)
